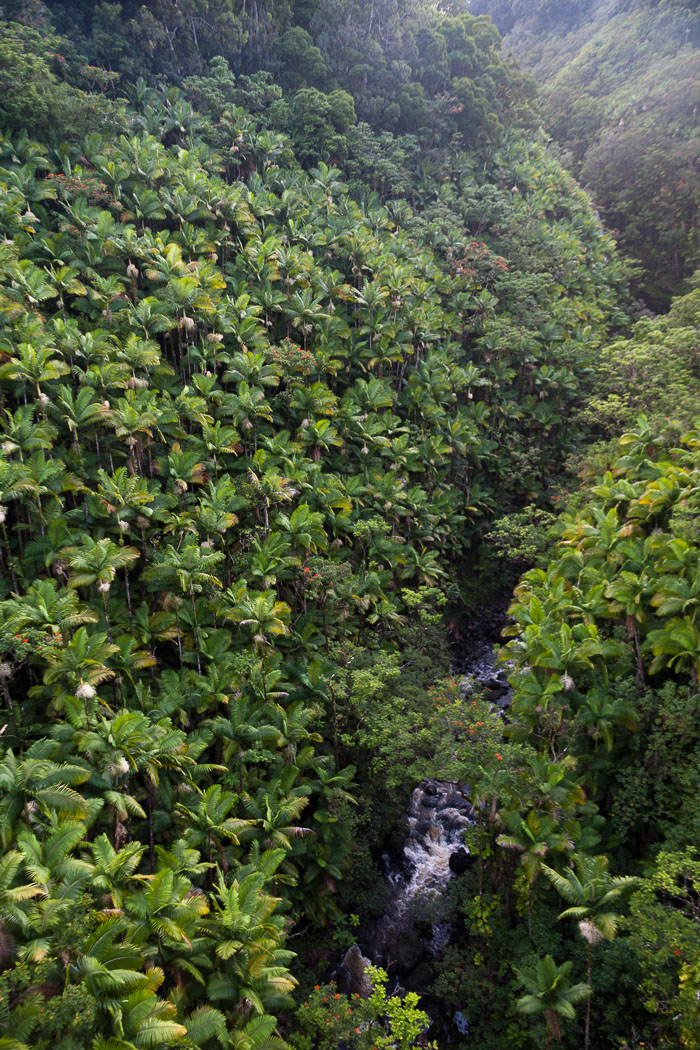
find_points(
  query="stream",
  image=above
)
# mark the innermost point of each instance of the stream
(415, 927)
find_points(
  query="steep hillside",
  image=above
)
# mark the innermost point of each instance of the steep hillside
(303, 330)
(252, 425)
(619, 92)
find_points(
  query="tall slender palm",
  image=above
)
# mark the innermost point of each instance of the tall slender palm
(209, 823)
(191, 569)
(35, 365)
(532, 838)
(79, 667)
(594, 896)
(96, 562)
(245, 931)
(550, 993)
(46, 609)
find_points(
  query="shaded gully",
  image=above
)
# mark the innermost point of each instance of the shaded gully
(415, 927)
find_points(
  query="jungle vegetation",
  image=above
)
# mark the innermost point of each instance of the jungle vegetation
(619, 95)
(306, 341)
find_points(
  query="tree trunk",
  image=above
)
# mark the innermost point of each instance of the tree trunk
(196, 631)
(588, 1000)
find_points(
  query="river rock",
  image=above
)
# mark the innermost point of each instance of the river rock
(352, 974)
(460, 861)
(406, 951)
(420, 979)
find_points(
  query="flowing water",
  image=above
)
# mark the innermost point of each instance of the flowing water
(415, 923)
(415, 926)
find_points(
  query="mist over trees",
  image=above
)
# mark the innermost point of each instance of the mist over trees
(619, 94)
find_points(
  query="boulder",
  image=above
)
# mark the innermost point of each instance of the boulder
(460, 861)
(352, 973)
(404, 953)
(420, 979)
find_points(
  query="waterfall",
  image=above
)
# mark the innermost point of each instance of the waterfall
(415, 922)
(415, 927)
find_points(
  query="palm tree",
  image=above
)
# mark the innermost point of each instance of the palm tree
(550, 993)
(304, 527)
(21, 1022)
(13, 917)
(263, 614)
(245, 931)
(114, 869)
(602, 715)
(22, 432)
(269, 488)
(166, 908)
(122, 494)
(594, 897)
(35, 783)
(79, 667)
(677, 646)
(34, 365)
(134, 419)
(532, 838)
(208, 823)
(46, 608)
(191, 569)
(96, 562)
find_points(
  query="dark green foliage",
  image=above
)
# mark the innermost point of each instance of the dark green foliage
(656, 371)
(281, 365)
(248, 427)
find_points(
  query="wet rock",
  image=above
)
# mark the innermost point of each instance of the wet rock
(460, 861)
(461, 1023)
(352, 974)
(406, 951)
(420, 979)
(456, 800)
(415, 925)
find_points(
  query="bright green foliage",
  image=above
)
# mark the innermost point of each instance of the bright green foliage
(269, 370)
(379, 1021)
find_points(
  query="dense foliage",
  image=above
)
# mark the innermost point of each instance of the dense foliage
(301, 328)
(619, 93)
